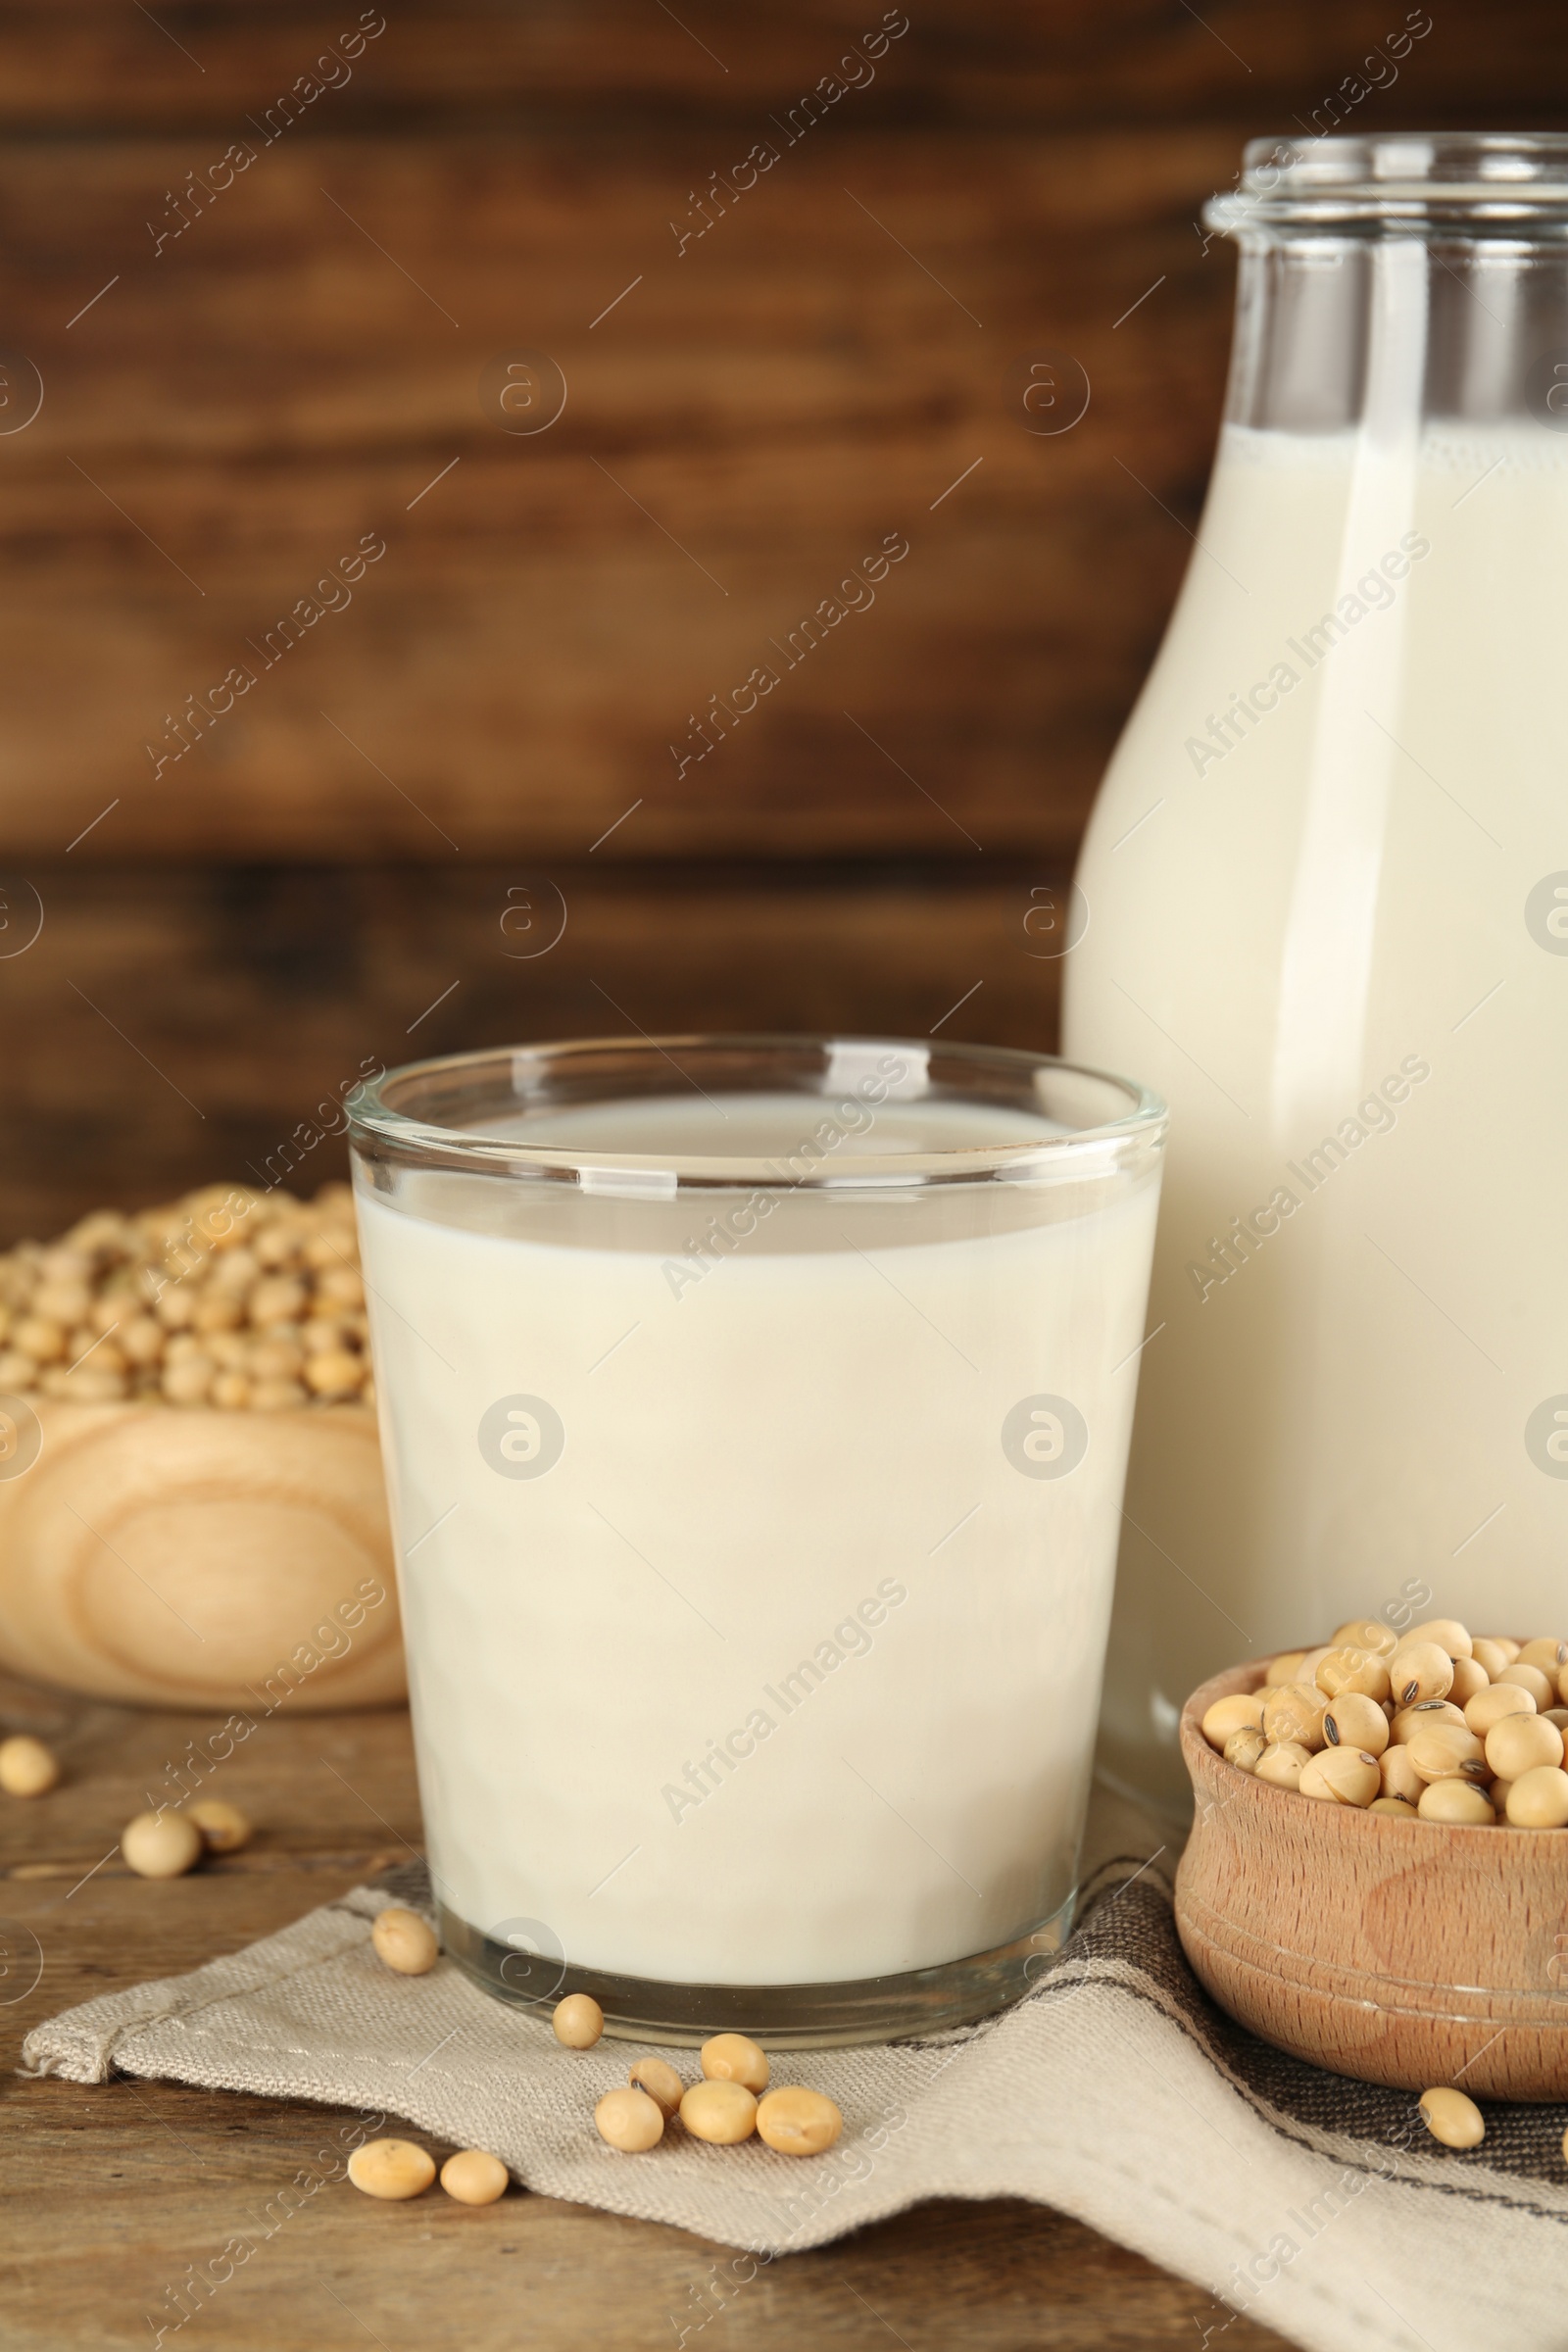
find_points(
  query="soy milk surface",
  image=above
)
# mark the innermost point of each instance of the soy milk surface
(742, 1649)
(1322, 925)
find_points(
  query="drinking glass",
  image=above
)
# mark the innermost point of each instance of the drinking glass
(755, 1415)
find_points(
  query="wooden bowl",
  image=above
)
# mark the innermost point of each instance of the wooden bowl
(187, 1557)
(1406, 1952)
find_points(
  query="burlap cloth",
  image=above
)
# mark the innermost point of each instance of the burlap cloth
(1116, 2092)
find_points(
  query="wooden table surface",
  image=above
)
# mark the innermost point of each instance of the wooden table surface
(113, 2190)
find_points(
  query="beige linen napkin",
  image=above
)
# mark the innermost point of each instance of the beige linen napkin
(1116, 2092)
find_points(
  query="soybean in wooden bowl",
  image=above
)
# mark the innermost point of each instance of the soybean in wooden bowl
(192, 1510)
(1402, 1952)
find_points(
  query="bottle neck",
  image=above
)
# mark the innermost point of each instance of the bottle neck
(1388, 335)
(1391, 282)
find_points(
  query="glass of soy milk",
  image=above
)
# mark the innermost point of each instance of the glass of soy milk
(756, 1414)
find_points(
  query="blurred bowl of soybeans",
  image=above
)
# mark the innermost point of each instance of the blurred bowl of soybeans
(191, 1504)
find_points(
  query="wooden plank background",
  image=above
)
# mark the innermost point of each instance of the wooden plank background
(231, 411)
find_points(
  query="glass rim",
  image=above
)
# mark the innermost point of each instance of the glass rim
(376, 1118)
(1480, 184)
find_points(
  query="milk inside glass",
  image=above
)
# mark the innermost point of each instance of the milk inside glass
(1317, 937)
(781, 1671)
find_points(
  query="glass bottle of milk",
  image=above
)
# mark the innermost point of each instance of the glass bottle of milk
(1327, 898)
